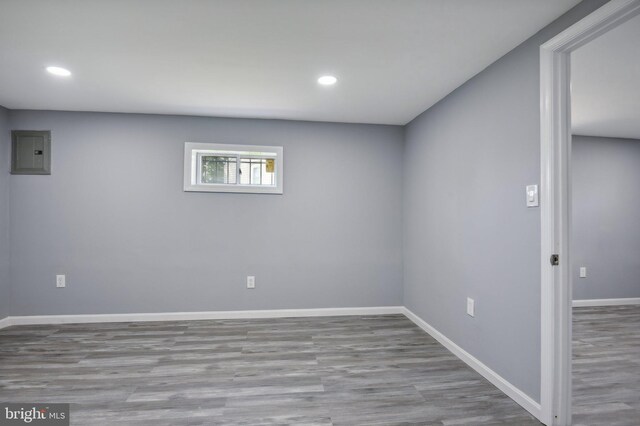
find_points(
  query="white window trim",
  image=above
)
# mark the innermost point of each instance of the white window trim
(192, 149)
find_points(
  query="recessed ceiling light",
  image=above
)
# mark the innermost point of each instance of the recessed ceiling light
(62, 72)
(327, 80)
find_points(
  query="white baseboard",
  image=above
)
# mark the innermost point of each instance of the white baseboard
(5, 322)
(498, 381)
(606, 302)
(184, 316)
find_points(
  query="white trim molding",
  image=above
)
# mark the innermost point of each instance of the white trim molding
(192, 316)
(5, 322)
(555, 167)
(580, 303)
(498, 381)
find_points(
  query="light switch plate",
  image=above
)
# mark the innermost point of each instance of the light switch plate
(61, 281)
(532, 196)
(471, 308)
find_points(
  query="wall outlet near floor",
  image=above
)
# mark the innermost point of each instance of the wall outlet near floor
(251, 281)
(583, 272)
(61, 281)
(471, 307)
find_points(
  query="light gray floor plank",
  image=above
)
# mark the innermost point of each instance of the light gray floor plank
(606, 366)
(361, 370)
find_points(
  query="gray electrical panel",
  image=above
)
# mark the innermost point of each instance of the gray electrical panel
(30, 152)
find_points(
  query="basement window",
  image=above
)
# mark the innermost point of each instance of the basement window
(210, 167)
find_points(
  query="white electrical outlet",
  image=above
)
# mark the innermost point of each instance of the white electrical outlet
(251, 281)
(61, 281)
(471, 307)
(583, 272)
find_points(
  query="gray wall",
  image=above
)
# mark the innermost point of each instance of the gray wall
(606, 217)
(114, 218)
(467, 231)
(5, 140)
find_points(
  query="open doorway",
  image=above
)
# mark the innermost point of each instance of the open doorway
(557, 268)
(605, 233)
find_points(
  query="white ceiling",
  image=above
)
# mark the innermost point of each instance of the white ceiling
(605, 84)
(256, 58)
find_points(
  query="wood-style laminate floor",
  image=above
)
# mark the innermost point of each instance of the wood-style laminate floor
(364, 370)
(606, 366)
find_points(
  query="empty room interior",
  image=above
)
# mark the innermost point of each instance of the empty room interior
(304, 212)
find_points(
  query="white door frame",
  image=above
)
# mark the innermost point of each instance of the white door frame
(555, 156)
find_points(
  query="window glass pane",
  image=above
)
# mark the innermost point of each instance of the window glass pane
(256, 174)
(245, 171)
(253, 171)
(218, 169)
(268, 171)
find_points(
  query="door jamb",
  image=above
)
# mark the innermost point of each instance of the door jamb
(555, 139)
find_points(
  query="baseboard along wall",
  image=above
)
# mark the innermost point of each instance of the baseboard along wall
(606, 302)
(193, 316)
